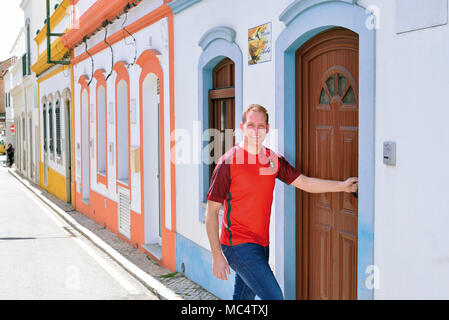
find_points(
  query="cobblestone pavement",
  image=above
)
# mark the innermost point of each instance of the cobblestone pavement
(177, 282)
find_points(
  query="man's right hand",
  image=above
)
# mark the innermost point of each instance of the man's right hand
(219, 263)
(220, 266)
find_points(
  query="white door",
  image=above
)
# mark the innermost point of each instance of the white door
(151, 160)
(85, 146)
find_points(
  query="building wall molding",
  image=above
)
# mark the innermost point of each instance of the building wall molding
(220, 32)
(217, 43)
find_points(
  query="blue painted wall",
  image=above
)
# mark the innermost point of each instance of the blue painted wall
(198, 267)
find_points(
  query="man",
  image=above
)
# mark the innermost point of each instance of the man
(10, 154)
(244, 180)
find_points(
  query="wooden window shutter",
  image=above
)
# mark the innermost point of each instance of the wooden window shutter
(50, 118)
(58, 128)
(45, 128)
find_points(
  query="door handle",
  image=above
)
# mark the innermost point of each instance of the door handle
(355, 194)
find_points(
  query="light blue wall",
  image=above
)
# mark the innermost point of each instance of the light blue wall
(198, 267)
(304, 19)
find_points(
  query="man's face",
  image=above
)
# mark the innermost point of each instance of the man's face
(255, 128)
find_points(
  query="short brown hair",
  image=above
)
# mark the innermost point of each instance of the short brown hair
(254, 107)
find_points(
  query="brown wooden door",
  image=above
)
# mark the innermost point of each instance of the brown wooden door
(327, 135)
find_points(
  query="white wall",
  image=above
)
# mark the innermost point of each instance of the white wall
(34, 11)
(123, 50)
(258, 87)
(9, 136)
(410, 208)
(411, 109)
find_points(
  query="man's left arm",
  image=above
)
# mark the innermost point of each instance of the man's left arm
(315, 185)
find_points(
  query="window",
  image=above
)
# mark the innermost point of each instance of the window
(44, 117)
(337, 87)
(122, 132)
(27, 68)
(50, 120)
(58, 128)
(101, 129)
(222, 109)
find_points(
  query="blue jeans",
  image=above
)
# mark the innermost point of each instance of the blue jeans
(253, 273)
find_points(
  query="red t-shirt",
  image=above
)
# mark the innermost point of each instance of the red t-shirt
(245, 183)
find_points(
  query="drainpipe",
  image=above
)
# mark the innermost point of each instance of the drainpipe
(49, 35)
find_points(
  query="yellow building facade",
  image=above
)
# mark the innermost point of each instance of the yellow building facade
(55, 111)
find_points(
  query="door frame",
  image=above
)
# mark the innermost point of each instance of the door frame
(303, 21)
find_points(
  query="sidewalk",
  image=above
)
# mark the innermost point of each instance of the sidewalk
(165, 284)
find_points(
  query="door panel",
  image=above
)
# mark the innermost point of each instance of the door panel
(327, 135)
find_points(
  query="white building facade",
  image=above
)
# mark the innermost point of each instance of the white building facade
(24, 92)
(9, 118)
(15, 88)
(339, 79)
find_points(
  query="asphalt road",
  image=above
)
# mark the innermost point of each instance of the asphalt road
(42, 257)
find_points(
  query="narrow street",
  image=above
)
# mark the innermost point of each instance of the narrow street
(42, 257)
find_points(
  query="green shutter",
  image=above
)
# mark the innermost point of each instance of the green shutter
(45, 128)
(58, 129)
(50, 117)
(24, 65)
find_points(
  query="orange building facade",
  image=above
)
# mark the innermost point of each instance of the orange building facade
(123, 113)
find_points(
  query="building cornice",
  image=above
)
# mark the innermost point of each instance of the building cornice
(92, 20)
